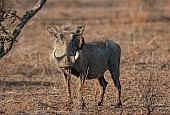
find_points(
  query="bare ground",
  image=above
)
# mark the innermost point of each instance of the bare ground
(31, 84)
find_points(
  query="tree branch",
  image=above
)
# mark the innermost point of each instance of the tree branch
(26, 17)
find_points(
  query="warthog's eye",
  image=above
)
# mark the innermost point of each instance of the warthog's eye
(59, 36)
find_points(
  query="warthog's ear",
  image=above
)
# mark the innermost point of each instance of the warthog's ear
(52, 31)
(79, 30)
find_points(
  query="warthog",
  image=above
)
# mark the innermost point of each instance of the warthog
(86, 60)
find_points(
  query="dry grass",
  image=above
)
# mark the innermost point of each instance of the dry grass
(30, 82)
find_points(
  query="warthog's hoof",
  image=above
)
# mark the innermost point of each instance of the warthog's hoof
(118, 105)
(100, 103)
(81, 105)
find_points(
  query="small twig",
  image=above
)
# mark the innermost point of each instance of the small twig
(13, 14)
(3, 29)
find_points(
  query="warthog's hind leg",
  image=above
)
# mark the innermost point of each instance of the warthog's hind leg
(102, 83)
(114, 70)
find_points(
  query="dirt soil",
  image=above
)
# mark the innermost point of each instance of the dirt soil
(31, 84)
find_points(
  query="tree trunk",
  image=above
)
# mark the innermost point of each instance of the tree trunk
(26, 17)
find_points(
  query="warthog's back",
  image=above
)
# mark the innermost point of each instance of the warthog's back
(93, 59)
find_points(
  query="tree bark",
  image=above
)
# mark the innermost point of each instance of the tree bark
(26, 17)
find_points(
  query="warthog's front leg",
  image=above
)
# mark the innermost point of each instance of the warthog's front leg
(68, 89)
(102, 83)
(80, 92)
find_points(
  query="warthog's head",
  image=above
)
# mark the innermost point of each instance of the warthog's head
(67, 41)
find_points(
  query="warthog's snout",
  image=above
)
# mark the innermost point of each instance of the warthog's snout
(64, 60)
(67, 61)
